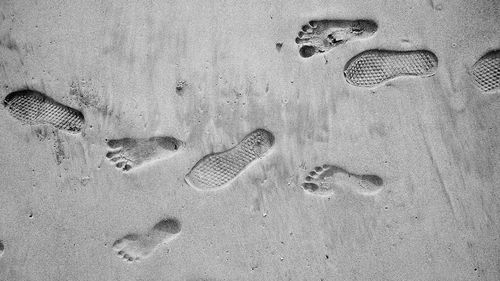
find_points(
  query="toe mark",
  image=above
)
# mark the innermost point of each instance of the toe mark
(110, 154)
(114, 143)
(310, 186)
(307, 51)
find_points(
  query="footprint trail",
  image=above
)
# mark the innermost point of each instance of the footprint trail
(325, 180)
(218, 169)
(32, 107)
(319, 36)
(486, 71)
(372, 68)
(134, 247)
(129, 153)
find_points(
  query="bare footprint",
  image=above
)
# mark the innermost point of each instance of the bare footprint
(134, 247)
(129, 153)
(1, 248)
(320, 36)
(218, 169)
(324, 180)
(32, 107)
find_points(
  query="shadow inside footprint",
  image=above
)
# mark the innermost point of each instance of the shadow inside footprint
(1, 249)
(307, 51)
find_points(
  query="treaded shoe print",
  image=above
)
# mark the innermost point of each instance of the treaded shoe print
(218, 169)
(372, 68)
(486, 71)
(32, 107)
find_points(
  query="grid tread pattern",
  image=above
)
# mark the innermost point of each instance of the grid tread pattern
(374, 67)
(35, 108)
(217, 169)
(486, 71)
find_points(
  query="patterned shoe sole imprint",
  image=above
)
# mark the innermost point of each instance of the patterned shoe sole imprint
(373, 67)
(33, 108)
(486, 71)
(218, 169)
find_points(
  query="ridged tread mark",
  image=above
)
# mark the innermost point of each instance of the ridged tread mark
(33, 108)
(486, 71)
(374, 67)
(218, 169)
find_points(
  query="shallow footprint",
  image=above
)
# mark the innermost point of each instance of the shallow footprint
(486, 71)
(134, 247)
(372, 68)
(34, 108)
(322, 35)
(218, 169)
(129, 153)
(324, 180)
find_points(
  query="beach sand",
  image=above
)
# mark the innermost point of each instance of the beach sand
(388, 180)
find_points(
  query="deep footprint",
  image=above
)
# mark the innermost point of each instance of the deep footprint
(34, 108)
(129, 153)
(323, 35)
(1, 249)
(486, 71)
(218, 169)
(325, 180)
(134, 247)
(373, 67)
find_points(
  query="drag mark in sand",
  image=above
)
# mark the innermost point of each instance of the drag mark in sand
(374, 67)
(129, 153)
(319, 36)
(134, 247)
(218, 169)
(32, 107)
(324, 180)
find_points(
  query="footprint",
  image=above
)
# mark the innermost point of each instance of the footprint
(322, 35)
(373, 67)
(33, 108)
(128, 153)
(218, 169)
(134, 247)
(1, 249)
(486, 71)
(324, 180)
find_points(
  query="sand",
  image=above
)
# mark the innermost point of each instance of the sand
(407, 168)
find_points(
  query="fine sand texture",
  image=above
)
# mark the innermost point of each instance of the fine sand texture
(249, 140)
